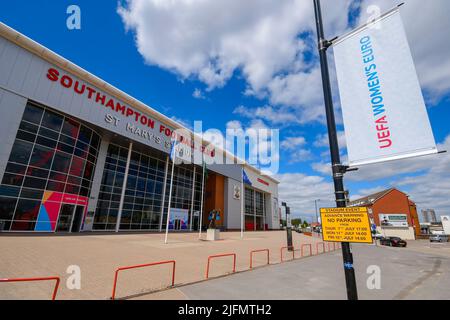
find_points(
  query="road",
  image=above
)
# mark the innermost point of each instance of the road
(419, 272)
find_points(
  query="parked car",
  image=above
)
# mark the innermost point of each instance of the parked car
(393, 242)
(438, 238)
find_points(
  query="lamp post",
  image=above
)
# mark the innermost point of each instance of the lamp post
(338, 169)
(288, 226)
(317, 215)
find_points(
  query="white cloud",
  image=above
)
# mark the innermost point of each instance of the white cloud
(302, 155)
(234, 125)
(426, 24)
(431, 189)
(267, 113)
(292, 143)
(198, 94)
(264, 146)
(322, 168)
(323, 142)
(211, 40)
(299, 191)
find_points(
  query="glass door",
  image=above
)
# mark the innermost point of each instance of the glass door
(65, 218)
(77, 219)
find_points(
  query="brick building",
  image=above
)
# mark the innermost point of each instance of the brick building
(392, 212)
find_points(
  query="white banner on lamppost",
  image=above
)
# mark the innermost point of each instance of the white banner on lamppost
(384, 112)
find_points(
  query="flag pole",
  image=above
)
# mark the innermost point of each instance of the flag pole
(242, 208)
(201, 202)
(173, 157)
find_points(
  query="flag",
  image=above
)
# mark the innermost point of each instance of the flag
(205, 170)
(245, 178)
(173, 150)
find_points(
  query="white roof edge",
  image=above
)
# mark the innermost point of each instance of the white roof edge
(261, 174)
(56, 59)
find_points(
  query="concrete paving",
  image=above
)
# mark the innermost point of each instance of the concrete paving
(98, 256)
(406, 274)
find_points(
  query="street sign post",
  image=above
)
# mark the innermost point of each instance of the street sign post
(350, 225)
(337, 168)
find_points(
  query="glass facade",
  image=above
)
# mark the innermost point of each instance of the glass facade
(48, 178)
(182, 191)
(144, 190)
(53, 156)
(255, 209)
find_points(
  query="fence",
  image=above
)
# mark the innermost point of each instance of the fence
(219, 256)
(256, 251)
(55, 290)
(281, 252)
(310, 249)
(173, 262)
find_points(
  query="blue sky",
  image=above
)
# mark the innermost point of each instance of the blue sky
(266, 79)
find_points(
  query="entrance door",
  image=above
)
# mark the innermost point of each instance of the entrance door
(65, 218)
(77, 219)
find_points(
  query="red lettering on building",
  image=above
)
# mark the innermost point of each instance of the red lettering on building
(82, 89)
(53, 75)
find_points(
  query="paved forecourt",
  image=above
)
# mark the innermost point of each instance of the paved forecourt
(422, 272)
(98, 256)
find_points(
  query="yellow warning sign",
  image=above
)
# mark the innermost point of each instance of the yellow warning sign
(346, 225)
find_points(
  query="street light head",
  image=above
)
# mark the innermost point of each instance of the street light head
(284, 204)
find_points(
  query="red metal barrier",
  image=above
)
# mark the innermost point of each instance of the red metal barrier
(281, 252)
(173, 262)
(219, 256)
(317, 247)
(255, 251)
(310, 248)
(329, 246)
(55, 290)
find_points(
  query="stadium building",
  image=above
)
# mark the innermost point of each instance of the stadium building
(79, 155)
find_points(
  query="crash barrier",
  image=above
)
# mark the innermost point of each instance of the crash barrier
(256, 251)
(317, 247)
(173, 262)
(283, 248)
(310, 249)
(55, 290)
(219, 256)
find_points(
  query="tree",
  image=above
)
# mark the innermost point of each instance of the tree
(296, 222)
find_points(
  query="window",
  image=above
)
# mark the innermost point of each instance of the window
(27, 210)
(77, 166)
(21, 152)
(85, 135)
(52, 121)
(33, 114)
(143, 193)
(12, 179)
(35, 166)
(41, 157)
(7, 207)
(61, 162)
(9, 191)
(254, 209)
(71, 128)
